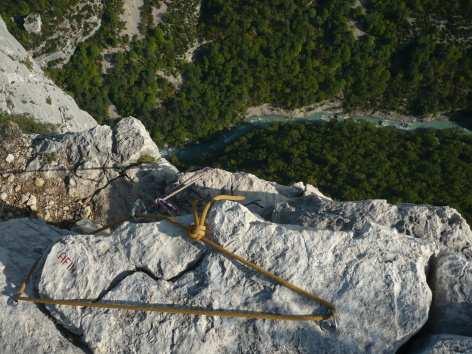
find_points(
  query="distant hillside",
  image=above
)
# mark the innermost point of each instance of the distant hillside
(195, 68)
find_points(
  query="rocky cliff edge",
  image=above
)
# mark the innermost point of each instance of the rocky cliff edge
(399, 275)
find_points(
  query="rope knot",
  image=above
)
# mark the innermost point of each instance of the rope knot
(197, 232)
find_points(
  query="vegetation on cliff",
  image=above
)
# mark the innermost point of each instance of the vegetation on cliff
(83, 76)
(415, 57)
(26, 124)
(410, 56)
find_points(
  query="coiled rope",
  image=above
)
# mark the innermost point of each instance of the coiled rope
(196, 232)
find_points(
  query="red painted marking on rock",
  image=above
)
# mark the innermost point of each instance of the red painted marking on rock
(65, 259)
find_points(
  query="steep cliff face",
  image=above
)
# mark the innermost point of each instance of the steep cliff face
(25, 89)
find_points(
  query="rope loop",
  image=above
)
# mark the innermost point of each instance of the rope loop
(197, 231)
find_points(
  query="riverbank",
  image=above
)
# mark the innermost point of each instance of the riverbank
(213, 145)
(335, 108)
(377, 118)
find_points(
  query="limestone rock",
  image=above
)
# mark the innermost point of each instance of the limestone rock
(451, 283)
(24, 327)
(262, 195)
(131, 16)
(92, 174)
(132, 141)
(33, 23)
(32, 203)
(375, 277)
(85, 226)
(443, 344)
(442, 225)
(39, 182)
(25, 89)
(451, 271)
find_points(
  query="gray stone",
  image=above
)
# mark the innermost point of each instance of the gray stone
(443, 344)
(33, 23)
(262, 195)
(451, 311)
(451, 272)
(132, 141)
(374, 276)
(26, 90)
(32, 203)
(442, 225)
(24, 328)
(85, 226)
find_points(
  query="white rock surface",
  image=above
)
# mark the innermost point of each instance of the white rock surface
(263, 195)
(24, 89)
(24, 328)
(33, 23)
(452, 302)
(444, 344)
(10, 158)
(131, 16)
(375, 277)
(451, 270)
(133, 141)
(442, 225)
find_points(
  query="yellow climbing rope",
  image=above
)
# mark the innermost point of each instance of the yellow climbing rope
(197, 232)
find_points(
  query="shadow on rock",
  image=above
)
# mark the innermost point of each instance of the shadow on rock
(22, 242)
(134, 193)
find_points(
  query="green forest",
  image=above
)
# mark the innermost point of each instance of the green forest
(14, 11)
(355, 161)
(412, 57)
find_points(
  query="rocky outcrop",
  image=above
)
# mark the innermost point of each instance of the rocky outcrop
(376, 279)
(261, 195)
(57, 43)
(443, 344)
(452, 302)
(25, 90)
(33, 23)
(442, 225)
(94, 174)
(374, 265)
(450, 274)
(26, 328)
(131, 16)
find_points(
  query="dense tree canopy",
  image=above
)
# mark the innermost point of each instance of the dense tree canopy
(412, 57)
